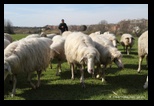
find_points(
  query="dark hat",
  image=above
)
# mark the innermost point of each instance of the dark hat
(62, 19)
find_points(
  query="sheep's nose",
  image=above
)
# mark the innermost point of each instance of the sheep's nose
(91, 71)
(121, 67)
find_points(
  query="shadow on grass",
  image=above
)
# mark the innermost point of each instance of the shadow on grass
(135, 66)
(72, 90)
(131, 54)
(76, 92)
(128, 56)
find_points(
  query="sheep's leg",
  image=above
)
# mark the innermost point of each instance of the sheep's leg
(127, 51)
(75, 69)
(29, 80)
(82, 76)
(38, 75)
(103, 74)
(14, 85)
(72, 70)
(58, 68)
(99, 71)
(146, 83)
(50, 63)
(11, 79)
(130, 49)
(147, 60)
(124, 48)
(139, 64)
(110, 65)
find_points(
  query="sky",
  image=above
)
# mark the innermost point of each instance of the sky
(39, 15)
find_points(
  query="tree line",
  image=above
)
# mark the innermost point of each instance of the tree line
(134, 27)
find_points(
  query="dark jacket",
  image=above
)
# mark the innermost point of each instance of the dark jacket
(65, 28)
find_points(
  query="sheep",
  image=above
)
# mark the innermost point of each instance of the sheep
(50, 35)
(143, 52)
(66, 33)
(26, 55)
(142, 49)
(98, 32)
(57, 51)
(8, 37)
(80, 51)
(6, 43)
(111, 37)
(106, 42)
(107, 32)
(127, 41)
(36, 35)
(108, 53)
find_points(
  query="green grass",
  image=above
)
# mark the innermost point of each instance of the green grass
(124, 84)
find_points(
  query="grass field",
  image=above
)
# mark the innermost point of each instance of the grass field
(124, 84)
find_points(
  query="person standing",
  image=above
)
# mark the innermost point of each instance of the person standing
(63, 26)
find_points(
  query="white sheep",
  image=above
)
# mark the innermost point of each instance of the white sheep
(143, 52)
(66, 33)
(50, 35)
(107, 32)
(98, 32)
(36, 35)
(57, 51)
(26, 55)
(142, 49)
(111, 37)
(6, 43)
(8, 37)
(127, 41)
(80, 50)
(108, 53)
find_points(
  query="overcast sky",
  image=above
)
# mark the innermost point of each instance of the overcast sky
(39, 15)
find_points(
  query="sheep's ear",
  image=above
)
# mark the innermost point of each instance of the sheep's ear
(83, 59)
(56, 51)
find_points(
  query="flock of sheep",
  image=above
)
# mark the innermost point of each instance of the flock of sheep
(36, 51)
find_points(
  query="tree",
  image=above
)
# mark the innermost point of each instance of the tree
(102, 26)
(8, 27)
(82, 28)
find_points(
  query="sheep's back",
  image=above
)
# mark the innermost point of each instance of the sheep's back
(30, 55)
(8, 37)
(75, 44)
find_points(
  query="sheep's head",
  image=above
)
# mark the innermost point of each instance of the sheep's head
(116, 57)
(7, 69)
(129, 40)
(90, 59)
